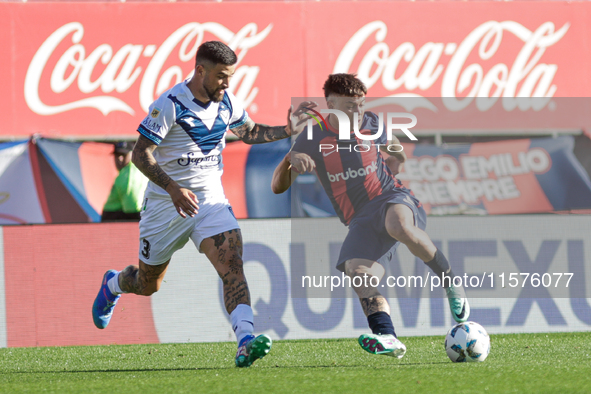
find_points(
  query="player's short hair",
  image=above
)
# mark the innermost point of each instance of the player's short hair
(344, 85)
(215, 52)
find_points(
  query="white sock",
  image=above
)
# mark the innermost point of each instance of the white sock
(113, 284)
(242, 321)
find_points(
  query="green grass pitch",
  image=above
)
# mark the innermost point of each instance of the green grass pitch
(518, 363)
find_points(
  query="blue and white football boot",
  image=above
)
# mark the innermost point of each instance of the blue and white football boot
(104, 303)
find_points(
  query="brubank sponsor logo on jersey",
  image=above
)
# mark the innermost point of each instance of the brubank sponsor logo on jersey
(74, 75)
(350, 173)
(524, 76)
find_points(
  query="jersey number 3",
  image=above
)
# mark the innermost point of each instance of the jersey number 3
(146, 251)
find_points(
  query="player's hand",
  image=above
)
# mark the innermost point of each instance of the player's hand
(184, 200)
(300, 162)
(296, 120)
(393, 148)
(394, 165)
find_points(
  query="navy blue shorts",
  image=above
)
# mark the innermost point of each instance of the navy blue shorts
(368, 237)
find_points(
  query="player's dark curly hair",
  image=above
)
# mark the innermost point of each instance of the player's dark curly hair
(344, 85)
(215, 52)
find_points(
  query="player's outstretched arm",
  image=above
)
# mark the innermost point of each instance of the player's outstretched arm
(183, 199)
(256, 133)
(293, 164)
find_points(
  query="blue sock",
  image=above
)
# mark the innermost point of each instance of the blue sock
(440, 265)
(381, 323)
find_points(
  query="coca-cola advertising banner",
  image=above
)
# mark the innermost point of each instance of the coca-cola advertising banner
(91, 70)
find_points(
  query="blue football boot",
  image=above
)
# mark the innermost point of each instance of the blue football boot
(104, 303)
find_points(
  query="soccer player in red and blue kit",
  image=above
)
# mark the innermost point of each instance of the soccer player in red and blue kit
(379, 211)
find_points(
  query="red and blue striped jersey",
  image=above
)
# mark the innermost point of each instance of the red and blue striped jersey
(351, 171)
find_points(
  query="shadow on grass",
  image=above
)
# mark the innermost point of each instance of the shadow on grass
(228, 368)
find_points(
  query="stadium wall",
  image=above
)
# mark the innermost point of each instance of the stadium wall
(51, 274)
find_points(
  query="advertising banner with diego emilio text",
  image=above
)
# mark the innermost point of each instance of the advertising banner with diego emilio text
(90, 70)
(536, 270)
(504, 177)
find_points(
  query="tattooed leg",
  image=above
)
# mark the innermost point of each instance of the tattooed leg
(374, 304)
(225, 253)
(143, 279)
(371, 299)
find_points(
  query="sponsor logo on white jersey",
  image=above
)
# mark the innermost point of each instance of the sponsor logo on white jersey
(190, 158)
(152, 126)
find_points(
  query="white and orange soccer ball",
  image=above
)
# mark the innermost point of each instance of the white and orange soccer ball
(467, 342)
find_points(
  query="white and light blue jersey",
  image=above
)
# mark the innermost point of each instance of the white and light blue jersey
(191, 136)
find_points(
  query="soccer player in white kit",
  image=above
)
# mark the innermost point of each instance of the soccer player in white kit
(179, 150)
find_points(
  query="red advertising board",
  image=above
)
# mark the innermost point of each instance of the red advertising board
(90, 70)
(52, 274)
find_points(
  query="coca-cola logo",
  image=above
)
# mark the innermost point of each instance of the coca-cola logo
(526, 76)
(121, 71)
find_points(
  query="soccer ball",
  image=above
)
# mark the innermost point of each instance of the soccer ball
(467, 342)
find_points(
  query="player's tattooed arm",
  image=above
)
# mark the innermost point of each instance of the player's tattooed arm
(183, 199)
(256, 133)
(143, 159)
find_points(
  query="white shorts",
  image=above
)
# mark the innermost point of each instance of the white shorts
(163, 231)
